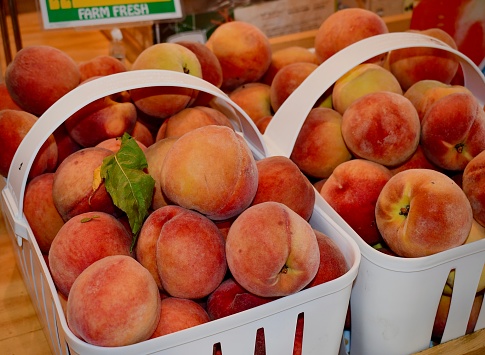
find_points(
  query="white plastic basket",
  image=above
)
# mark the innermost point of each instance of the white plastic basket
(394, 300)
(324, 306)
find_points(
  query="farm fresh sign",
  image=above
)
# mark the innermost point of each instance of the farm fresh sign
(77, 13)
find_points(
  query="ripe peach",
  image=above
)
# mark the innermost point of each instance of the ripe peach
(360, 80)
(410, 65)
(473, 184)
(211, 170)
(114, 144)
(382, 127)
(100, 65)
(14, 125)
(352, 191)
(189, 119)
(243, 51)
(142, 134)
(190, 254)
(65, 144)
(114, 302)
(44, 219)
(178, 314)
(453, 131)
(163, 102)
(6, 101)
(271, 250)
(39, 75)
(345, 27)
(287, 80)
(254, 99)
(81, 241)
(319, 147)
(262, 123)
(421, 212)
(285, 56)
(280, 180)
(73, 191)
(417, 161)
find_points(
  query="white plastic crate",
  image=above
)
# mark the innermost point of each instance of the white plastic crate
(324, 306)
(394, 300)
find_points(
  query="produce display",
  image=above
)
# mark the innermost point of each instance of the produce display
(154, 216)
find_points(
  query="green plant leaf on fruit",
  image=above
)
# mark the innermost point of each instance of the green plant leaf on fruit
(130, 187)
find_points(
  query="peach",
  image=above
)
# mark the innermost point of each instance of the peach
(100, 65)
(381, 126)
(231, 298)
(287, 80)
(81, 241)
(65, 144)
(473, 184)
(345, 27)
(210, 170)
(254, 99)
(162, 102)
(262, 123)
(104, 118)
(155, 154)
(73, 188)
(453, 131)
(280, 180)
(141, 132)
(285, 56)
(178, 314)
(319, 147)
(211, 69)
(6, 101)
(421, 212)
(114, 302)
(417, 161)
(332, 260)
(360, 80)
(243, 51)
(189, 119)
(114, 144)
(442, 316)
(410, 65)
(189, 252)
(14, 125)
(39, 75)
(424, 93)
(352, 191)
(272, 251)
(44, 219)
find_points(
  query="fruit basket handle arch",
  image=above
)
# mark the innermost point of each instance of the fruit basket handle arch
(13, 192)
(282, 131)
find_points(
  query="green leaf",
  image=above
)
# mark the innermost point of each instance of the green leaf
(127, 183)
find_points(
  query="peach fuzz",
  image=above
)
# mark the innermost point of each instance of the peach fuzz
(114, 302)
(254, 99)
(352, 191)
(190, 255)
(210, 170)
(410, 65)
(14, 126)
(83, 240)
(39, 75)
(424, 93)
(271, 250)
(177, 314)
(189, 119)
(360, 80)
(163, 102)
(421, 212)
(100, 65)
(453, 131)
(473, 184)
(280, 180)
(72, 189)
(44, 219)
(345, 27)
(287, 80)
(243, 51)
(285, 56)
(319, 147)
(382, 127)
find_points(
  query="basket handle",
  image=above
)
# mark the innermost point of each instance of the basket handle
(90, 91)
(283, 129)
